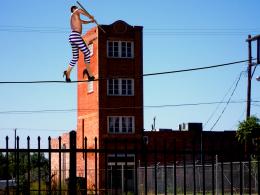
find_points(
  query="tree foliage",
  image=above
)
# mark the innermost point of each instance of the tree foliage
(24, 166)
(248, 129)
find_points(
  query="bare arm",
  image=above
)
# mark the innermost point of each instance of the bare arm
(86, 22)
(85, 14)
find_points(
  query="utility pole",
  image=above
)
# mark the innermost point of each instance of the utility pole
(249, 73)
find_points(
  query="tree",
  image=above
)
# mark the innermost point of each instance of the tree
(248, 133)
(248, 129)
(2, 168)
(7, 173)
(37, 162)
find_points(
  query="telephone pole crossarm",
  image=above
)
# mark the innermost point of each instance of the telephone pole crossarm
(254, 38)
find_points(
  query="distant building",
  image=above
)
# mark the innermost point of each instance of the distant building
(11, 185)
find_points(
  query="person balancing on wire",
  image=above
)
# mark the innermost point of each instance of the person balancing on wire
(77, 43)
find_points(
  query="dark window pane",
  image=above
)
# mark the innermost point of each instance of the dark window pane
(124, 124)
(124, 87)
(111, 125)
(117, 125)
(123, 49)
(116, 87)
(129, 87)
(116, 49)
(130, 124)
(129, 50)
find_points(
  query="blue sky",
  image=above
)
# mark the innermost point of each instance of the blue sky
(178, 34)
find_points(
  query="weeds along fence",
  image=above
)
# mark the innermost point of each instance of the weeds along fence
(116, 168)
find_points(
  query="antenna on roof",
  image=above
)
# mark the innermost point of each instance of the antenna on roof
(153, 125)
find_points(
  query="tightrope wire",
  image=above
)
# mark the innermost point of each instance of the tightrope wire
(140, 76)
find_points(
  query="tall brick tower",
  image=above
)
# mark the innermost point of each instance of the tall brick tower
(112, 107)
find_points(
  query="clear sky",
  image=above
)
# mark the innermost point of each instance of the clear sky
(178, 34)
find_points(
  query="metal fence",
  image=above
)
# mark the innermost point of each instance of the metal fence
(224, 180)
(123, 170)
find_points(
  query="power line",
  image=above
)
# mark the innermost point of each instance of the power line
(31, 29)
(41, 82)
(195, 69)
(119, 108)
(198, 104)
(229, 100)
(214, 112)
(140, 76)
(31, 129)
(168, 31)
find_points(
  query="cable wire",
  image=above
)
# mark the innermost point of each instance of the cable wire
(227, 102)
(195, 69)
(140, 76)
(30, 129)
(120, 108)
(215, 110)
(164, 31)
(257, 105)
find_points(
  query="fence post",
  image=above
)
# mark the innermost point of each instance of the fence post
(72, 172)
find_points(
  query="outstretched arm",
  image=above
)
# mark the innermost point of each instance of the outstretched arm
(86, 22)
(86, 14)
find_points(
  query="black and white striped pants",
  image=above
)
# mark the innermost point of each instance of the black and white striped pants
(77, 43)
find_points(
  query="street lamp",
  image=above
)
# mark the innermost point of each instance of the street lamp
(258, 78)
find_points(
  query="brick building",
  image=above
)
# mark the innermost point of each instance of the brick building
(111, 110)
(111, 107)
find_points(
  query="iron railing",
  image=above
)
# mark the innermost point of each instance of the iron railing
(120, 169)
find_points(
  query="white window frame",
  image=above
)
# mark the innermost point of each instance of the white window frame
(91, 49)
(120, 47)
(121, 159)
(90, 86)
(120, 81)
(119, 129)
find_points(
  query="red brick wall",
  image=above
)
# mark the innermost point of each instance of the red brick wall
(88, 102)
(224, 143)
(64, 157)
(95, 107)
(89, 128)
(88, 110)
(118, 67)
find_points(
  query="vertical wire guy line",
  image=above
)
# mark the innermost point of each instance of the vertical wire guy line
(227, 102)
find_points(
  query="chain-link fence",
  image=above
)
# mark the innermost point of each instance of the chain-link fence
(213, 178)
